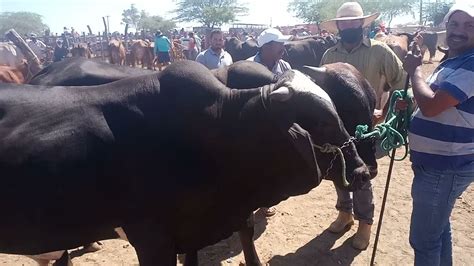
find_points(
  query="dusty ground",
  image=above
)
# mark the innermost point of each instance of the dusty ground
(297, 234)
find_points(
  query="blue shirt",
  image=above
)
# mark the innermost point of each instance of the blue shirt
(162, 44)
(280, 66)
(446, 141)
(212, 60)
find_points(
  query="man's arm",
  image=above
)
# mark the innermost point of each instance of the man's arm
(393, 70)
(431, 103)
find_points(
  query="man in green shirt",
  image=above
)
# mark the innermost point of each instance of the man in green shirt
(379, 65)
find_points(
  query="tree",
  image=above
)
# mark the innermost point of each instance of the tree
(22, 22)
(154, 23)
(435, 12)
(131, 16)
(210, 13)
(320, 10)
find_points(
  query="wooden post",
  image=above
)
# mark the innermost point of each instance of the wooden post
(13, 36)
(126, 37)
(101, 47)
(106, 30)
(30, 56)
(89, 28)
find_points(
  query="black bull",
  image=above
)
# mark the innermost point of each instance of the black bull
(143, 147)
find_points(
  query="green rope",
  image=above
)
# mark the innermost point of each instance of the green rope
(329, 148)
(394, 130)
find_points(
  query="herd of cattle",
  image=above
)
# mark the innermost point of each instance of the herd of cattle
(87, 147)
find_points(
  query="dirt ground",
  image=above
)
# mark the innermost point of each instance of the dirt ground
(297, 234)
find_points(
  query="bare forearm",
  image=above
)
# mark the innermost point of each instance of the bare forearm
(422, 92)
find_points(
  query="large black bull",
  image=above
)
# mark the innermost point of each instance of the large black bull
(163, 156)
(79, 71)
(307, 52)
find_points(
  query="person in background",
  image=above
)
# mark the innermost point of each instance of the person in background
(192, 46)
(198, 42)
(271, 48)
(215, 56)
(375, 60)
(60, 51)
(441, 138)
(37, 46)
(162, 50)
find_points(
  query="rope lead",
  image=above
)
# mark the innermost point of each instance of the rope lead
(394, 130)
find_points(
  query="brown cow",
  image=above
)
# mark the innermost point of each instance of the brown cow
(141, 53)
(117, 52)
(398, 43)
(18, 75)
(81, 50)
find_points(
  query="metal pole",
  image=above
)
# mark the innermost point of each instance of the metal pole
(385, 194)
(421, 12)
(108, 25)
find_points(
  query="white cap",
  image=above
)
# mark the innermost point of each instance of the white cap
(271, 35)
(467, 8)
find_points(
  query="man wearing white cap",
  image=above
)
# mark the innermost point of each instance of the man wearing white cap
(375, 60)
(271, 48)
(441, 138)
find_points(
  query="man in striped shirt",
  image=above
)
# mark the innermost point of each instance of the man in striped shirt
(442, 138)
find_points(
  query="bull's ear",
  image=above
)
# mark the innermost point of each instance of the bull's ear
(318, 74)
(281, 94)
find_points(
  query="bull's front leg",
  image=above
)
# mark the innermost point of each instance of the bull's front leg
(191, 258)
(246, 239)
(153, 243)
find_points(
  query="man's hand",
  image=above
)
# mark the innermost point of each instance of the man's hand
(413, 59)
(401, 105)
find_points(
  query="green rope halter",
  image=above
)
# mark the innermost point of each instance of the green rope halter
(329, 148)
(394, 130)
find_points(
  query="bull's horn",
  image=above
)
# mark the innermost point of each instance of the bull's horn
(281, 94)
(316, 73)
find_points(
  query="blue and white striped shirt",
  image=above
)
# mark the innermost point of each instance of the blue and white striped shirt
(446, 141)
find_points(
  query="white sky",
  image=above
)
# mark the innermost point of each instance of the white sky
(79, 13)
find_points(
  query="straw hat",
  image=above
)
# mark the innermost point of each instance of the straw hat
(348, 11)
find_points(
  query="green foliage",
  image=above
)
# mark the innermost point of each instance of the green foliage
(131, 16)
(22, 22)
(210, 13)
(154, 23)
(314, 10)
(141, 20)
(321, 10)
(435, 12)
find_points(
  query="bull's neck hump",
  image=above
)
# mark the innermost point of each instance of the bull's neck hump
(237, 100)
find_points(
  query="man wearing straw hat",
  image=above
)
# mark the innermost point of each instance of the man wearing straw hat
(375, 60)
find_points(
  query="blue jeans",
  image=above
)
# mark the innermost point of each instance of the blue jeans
(434, 193)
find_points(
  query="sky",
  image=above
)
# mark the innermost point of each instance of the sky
(80, 13)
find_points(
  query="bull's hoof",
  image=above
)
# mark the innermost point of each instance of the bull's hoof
(93, 247)
(268, 212)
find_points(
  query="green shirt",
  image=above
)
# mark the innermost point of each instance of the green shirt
(375, 60)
